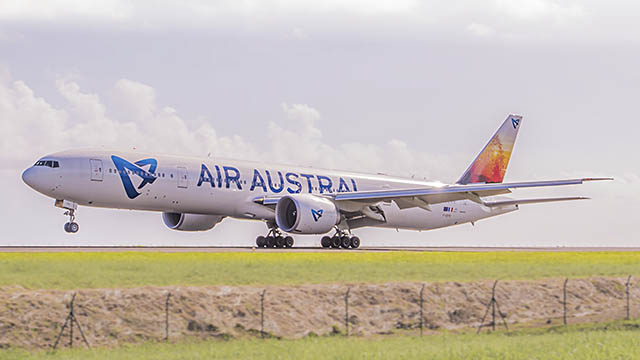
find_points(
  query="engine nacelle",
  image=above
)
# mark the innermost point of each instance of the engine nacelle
(306, 214)
(190, 222)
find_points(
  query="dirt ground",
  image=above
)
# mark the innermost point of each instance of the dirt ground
(109, 317)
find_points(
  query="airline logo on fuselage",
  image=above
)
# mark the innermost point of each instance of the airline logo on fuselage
(126, 169)
(229, 176)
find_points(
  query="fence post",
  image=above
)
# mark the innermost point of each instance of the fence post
(492, 305)
(71, 318)
(564, 301)
(627, 291)
(421, 301)
(346, 313)
(262, 313)
(71, 315)
(166, 318)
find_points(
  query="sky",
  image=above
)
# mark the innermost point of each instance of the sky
(408, 88)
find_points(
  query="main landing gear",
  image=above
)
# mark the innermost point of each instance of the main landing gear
(340, 240)
(71, 227)
(274, 239)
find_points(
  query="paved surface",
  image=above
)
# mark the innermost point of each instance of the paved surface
(306, 249)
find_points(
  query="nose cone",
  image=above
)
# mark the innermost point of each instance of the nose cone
(38, 180)
(28, 176)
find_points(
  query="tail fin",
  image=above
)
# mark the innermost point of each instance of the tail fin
(491, 164)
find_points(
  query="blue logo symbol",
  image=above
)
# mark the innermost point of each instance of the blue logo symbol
(125, 168)
(515, 122)
(317, 214)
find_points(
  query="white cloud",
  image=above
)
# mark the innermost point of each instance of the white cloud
(505, 16)
(197, 10)
(300, 141)
(532, 10)
(33, 127)
(29, 125)
(480, 30)
(64, 9)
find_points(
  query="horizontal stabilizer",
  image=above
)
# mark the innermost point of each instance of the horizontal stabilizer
(532, 201)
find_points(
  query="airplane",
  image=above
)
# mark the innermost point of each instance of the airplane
(195, 194)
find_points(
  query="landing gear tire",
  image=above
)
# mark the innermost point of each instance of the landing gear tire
(341, 239)
(71, 227)
(325, 241)
(275, 238)
(355, 242)
(261, 241)
(288, 242)
(345, 242)
(335, 242)
(271, 242)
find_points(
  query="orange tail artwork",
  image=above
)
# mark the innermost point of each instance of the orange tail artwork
(491, 164)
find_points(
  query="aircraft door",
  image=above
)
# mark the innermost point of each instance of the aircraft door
(183, 178)
(96, 170)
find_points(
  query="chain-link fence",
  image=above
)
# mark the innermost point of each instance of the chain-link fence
(115, 316)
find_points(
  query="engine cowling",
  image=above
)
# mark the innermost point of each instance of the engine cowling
(306, 214)
(190, 222)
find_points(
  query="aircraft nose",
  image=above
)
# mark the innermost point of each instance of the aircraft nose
(28, 177)
(36, 180)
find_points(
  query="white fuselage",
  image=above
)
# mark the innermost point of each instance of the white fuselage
(224, 187)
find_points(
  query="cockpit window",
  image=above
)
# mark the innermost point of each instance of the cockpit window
(47, 163)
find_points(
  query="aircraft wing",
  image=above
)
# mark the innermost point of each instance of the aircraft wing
(531, 201)
(423, 197)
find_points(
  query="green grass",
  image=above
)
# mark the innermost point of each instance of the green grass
(131, 269)
(619, 340)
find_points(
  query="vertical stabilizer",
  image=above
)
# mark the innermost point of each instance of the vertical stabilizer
(491, 164)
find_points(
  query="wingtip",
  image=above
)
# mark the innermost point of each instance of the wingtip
(598, 179)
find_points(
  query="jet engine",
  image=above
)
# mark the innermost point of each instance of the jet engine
(190, 222)
(306, 214)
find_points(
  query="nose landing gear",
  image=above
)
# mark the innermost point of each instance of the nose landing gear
(71, 227)
(70, 207)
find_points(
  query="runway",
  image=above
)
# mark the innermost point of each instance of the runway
(212, 249)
